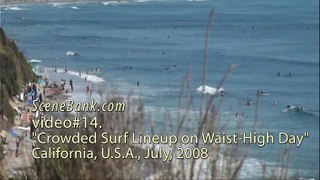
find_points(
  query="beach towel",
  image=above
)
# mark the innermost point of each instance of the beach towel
(13, 133)
(24, 128)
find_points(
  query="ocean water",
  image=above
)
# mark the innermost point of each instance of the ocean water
(158, 42)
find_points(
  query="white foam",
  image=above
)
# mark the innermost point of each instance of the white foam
(142, 1)
(13, 8)
(57, 4)
(72, 53)
(209, 90)
(74, 7)
(196, 0)
(110, 3)
(89, 77)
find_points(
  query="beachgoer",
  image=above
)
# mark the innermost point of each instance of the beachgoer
(35, 93)
(4, 140)
(85, 79)
(71, 85)
(17, 146)
(249, 102)
(40, 97)
(32, 129)
(138, 83)
(55, 69)
(88, 88)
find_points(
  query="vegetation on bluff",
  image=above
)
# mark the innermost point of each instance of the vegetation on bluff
(14, 72)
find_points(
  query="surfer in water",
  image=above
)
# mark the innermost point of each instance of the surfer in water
(222, 93)
(249, 102)
(293, 108)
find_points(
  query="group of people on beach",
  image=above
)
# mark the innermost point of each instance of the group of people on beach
(29, 93)
(88, 89)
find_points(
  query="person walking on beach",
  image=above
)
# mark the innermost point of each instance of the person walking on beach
(88, 88)
(35, 93)
(40, 97)
(71, 85)
(17, 146)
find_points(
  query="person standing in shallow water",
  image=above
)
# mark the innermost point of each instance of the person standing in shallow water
(88, 88)
(71, 85)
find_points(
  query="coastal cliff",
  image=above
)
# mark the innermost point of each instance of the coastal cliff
(14, 72)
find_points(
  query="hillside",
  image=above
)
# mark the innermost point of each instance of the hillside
(14, 72)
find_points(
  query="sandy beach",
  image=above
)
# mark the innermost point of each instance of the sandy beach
(17, 144)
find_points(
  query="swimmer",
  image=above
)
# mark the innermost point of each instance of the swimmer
(249, 102)
(222, 93)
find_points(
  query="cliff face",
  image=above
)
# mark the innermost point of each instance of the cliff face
(14, 72)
